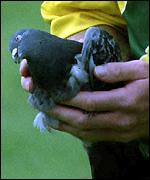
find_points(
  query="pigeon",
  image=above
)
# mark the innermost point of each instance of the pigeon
(60, 68)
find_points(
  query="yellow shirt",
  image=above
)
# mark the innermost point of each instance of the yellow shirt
(70, 17)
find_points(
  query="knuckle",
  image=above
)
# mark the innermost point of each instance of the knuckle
(134, 102)
(89, 105)
(82, 122)
(109, 70)
(114, 70)
(128, 123)
(129, 102)
(109, 66)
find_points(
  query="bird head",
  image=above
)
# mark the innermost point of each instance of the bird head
(14, 43)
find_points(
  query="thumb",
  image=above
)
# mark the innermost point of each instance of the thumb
(122, 71)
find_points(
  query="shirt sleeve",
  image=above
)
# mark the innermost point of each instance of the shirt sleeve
(70, 17)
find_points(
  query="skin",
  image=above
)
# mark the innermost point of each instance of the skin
(119, 115)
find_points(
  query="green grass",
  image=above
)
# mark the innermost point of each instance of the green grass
(27, 154)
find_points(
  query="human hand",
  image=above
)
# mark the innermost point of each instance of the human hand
(117, 115)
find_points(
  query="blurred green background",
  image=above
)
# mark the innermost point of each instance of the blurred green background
(25, 152)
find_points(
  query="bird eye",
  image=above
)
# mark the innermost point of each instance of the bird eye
(18, 38)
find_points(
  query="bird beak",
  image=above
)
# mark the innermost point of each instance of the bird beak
(14, 55)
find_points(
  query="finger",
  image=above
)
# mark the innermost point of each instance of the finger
(99, 100)
(24, 70)
(68, 115)
(122, 71)
(81, 120)
(116, 121)
(113, 100)
(104, 134)
(27, 83)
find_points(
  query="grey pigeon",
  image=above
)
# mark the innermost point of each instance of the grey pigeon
(60, 68)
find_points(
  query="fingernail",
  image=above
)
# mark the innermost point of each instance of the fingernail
(24, 61)
(27, 86)
(100, 71)
(22, 81)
